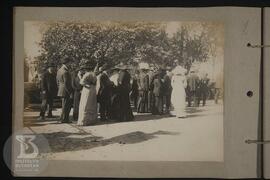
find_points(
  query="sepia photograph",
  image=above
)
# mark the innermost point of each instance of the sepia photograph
(125, 90)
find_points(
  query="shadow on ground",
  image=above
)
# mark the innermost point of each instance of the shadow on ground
(65, 141)
(31, 121)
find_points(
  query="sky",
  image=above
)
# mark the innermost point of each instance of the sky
(32, 36)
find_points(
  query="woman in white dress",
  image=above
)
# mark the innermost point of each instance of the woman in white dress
(178, 97)
(88, 103)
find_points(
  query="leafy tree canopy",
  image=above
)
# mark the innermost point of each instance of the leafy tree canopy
(109, 43)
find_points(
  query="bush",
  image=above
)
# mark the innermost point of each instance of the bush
(31, 93)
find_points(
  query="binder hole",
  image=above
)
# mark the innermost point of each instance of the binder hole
(248, 44)
(249, 93)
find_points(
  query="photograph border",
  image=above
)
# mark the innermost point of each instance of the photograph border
(169, 169)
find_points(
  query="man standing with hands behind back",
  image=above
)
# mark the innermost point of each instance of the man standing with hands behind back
(65, 89)
(48, 91)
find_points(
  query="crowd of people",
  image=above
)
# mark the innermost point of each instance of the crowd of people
(93, 90)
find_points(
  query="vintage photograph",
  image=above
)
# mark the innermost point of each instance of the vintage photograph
(125, 90)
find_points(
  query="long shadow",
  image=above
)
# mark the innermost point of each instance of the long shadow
(137, 117)
(63, 141)
(32, 121)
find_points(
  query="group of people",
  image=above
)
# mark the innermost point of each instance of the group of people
(158, 91)
(92, 89)
(88, 89)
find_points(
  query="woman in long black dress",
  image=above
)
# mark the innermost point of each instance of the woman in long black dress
(125, 112)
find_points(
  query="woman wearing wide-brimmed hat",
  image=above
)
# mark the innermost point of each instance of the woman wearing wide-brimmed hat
(124, 87)
(178, 97)
(88, 103)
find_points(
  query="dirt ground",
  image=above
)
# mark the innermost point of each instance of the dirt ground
(198, 137)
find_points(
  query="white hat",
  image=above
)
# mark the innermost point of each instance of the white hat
(179, 70)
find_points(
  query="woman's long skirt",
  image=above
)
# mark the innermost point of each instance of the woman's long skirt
(88, 107)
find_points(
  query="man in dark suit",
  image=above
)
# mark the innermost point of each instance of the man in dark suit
(150, 90)
(77, 87)
(143, 87)
(167, 91)
(135, 90)
(65, 89)
(104, 96)
(48, 91)
(192, 88)
(204, 89)
(158, 94)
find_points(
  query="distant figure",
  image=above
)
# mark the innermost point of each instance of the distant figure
(88, 103)
(204, 89)
(218, 87)
(65, 90)
(167, 91)
(150, 90)
(48, 91)
(125, 113)
(192, 88)
(104, 96)
(158, 94)
(143, 86)
(134, 91)
(77, 87)
(179, 84)
(115, 97)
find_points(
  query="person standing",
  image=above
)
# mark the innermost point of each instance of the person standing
(114, 76)
(135, 91)
(218, 87)
(158, 94)
(125, 113)
(143, 87)
(48, 91)
(204, 82)
(88, 103)
(115, 100)
(167, 91)
(179, 84)
(65, 89)
(104, 96)
(77, 87)
(192, 88)
(150, 90)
